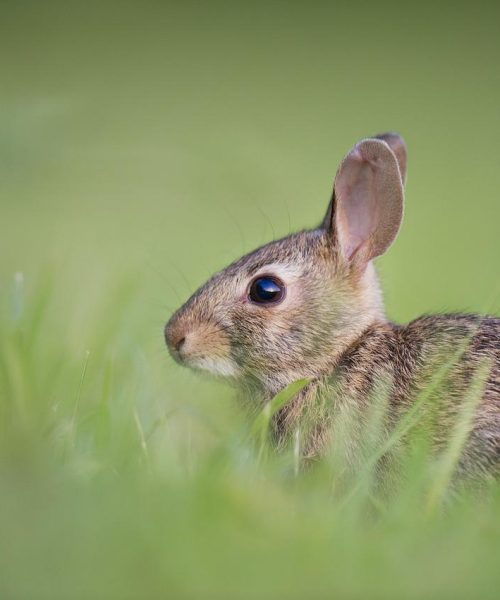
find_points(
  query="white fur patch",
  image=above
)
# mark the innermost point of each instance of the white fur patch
(217, 366)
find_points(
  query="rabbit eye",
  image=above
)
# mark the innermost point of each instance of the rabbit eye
(266, 290)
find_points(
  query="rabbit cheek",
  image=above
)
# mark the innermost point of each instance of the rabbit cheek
(260, 344)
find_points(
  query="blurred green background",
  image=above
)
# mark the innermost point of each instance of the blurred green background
(141, 134)
(143, 145)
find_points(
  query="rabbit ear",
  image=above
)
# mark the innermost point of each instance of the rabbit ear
(397, 144)
(367, 204)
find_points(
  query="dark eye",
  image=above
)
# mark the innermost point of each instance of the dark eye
(266, 290)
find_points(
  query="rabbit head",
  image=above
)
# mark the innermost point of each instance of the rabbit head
(288, 309)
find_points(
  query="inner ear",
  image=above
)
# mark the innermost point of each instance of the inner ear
(367, 203)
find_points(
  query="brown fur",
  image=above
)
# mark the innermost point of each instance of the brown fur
(331, 326)
(407, 358)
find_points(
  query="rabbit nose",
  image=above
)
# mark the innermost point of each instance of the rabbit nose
(174, 338)
(179, 343)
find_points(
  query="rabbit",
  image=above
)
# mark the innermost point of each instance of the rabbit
(310, 306)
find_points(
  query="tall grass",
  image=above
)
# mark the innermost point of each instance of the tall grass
(105, 494)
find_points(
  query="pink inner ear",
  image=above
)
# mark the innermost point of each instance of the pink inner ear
(358, 202)
(369, 200)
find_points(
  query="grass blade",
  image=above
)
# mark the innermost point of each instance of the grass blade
(463, 427)
(260, 427)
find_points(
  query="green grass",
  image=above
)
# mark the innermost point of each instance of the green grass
(112, 487)
(142, 147)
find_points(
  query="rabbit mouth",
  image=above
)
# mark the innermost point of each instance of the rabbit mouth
(217, 365)
(203, 348)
